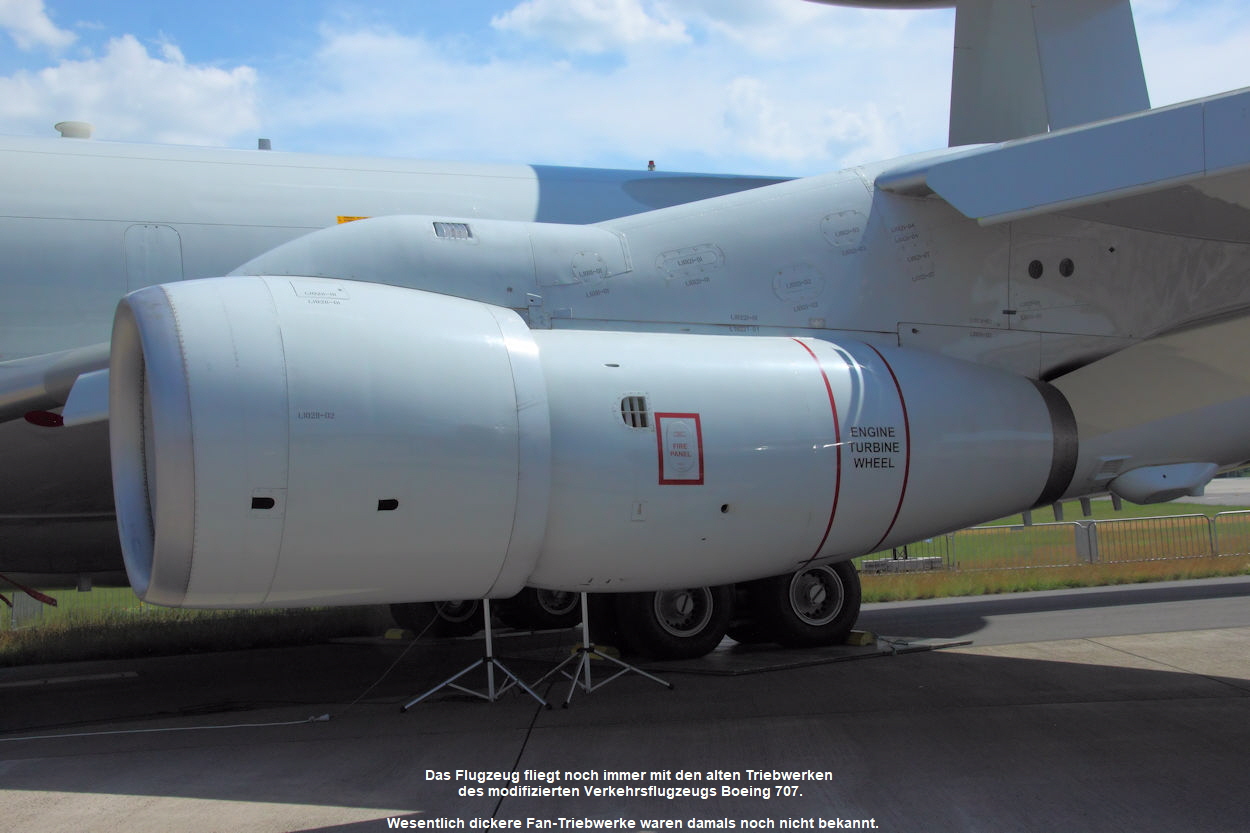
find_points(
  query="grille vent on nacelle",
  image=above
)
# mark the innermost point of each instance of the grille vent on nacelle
(1109, 467)
(634, 412)
(453, 231)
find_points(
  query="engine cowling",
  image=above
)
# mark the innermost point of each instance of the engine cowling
(281, 442)
(290, 441)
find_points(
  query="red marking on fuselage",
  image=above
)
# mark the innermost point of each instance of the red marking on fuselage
(659, 441)
(906, 439)
(837, 440)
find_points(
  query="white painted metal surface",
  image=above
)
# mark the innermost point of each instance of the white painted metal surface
(1021, 69)
(72, 246)
(923, 295)
(284, 441)
(1128, 420)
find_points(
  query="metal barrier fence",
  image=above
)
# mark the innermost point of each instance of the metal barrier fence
(1231, 532)
(1067, 543)
(1016, 545)
(1144, 539)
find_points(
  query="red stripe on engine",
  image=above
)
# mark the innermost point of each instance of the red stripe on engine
(902, 493)
(837, 441)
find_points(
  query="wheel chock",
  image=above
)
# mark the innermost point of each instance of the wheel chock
(861, 639)
(606, 650)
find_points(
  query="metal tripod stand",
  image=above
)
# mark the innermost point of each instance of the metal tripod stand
(581, 658)
(492, 693)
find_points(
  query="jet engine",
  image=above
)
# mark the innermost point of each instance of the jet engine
(281, 441)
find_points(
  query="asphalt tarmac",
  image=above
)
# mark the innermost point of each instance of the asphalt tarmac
(1105, 709)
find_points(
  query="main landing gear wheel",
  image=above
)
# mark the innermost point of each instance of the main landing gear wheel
(542, 609)
(458, 617)
(817, 605)
(675, 624)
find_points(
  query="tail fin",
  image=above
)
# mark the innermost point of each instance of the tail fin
(1022, 67)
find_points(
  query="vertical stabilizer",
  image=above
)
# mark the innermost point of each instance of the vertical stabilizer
(1022, 68)
(996, 77)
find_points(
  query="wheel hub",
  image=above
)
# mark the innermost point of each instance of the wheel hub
(683, 612)
(558, 602)
(457, 610)
(816, 595)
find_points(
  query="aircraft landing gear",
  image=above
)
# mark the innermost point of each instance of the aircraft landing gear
(674, 624)
(458, 617)
(816, 605)
(813, 606)
(542, 609)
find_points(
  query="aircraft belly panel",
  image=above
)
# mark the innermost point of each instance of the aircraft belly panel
(56, 500)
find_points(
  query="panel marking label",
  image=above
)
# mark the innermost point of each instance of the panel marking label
(679, 441)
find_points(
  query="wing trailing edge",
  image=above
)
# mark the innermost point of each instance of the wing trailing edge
(1189, 143)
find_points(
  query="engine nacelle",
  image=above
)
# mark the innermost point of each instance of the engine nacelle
(283, 442)
(1157, 420)
(292, 441)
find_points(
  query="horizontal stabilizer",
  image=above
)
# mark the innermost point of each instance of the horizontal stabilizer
(1081, 166)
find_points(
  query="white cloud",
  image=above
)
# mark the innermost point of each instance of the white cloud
(794, 135)
(593, 26)
(1189, 55)
(762, 86)
(129, 94)
(818, 101)
(29, 25)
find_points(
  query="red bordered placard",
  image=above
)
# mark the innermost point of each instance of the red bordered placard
(679, 442)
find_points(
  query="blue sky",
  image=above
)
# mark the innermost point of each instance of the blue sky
(750, 86)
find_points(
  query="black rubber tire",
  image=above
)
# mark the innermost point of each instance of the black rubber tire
(748, 633)
(605, 625)
(458, 617)
(745, 628)
(814, 606)
(535, 609)
(454, 618)
(675, 624)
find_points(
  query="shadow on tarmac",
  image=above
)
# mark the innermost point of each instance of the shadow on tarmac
(938, 740)
(965, 617)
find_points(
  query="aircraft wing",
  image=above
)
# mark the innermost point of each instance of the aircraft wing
(76, 379)
(1181, 170)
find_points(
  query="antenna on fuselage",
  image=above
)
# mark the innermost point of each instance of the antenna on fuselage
(74, 129)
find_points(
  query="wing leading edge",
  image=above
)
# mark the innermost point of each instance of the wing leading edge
(77, 379)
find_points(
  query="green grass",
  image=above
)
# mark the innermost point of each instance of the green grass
(93, 633)
(1008, 543)
(1005, 556)
(1008, 557)
(71, 604)
(941, 584)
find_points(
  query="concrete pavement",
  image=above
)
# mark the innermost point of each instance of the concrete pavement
(1111, 731)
